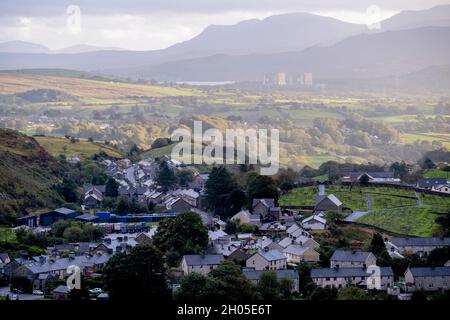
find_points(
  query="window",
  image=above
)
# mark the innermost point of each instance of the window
(327, 279)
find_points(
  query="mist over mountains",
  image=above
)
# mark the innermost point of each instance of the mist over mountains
(298, 42)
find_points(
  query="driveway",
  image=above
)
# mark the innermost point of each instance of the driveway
(355, 216)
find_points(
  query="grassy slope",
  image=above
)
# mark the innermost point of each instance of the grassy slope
(83, 149)
(85, 89)
(392, 210)
(28, 174)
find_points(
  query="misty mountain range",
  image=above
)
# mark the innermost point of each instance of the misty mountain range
(332, 49)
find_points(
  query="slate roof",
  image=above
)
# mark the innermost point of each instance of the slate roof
(269, 203)
(355, 256)
(87, 217)
(295, 249)
(316, 218)
(347, 272)
(61, 289)
(101, 188)
(256, 274)
(285, 242)
(47, 265)
(64, 211)
(420, 242)
(331, 197)
(428, 183)
(375, 175)
(430, 272)
(272, 255)
(207, 259)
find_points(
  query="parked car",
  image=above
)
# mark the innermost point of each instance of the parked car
(38, 292)
(14, 297)
(96, 291)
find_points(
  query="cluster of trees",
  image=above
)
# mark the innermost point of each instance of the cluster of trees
(226, 197)
(228, 283)
(185, 234)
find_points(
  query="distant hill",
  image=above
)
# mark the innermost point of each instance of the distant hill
(362, 56)
(23, 47)
(438, 16)
(278, 33)
(28, 175)
(29, 47)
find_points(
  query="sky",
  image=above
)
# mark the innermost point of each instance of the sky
(157, 24)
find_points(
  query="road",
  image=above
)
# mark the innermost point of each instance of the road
(355, 215)
(321, 189)
(22, 296)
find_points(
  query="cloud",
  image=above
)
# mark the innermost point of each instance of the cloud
(155, 24)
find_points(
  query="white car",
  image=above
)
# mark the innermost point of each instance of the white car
(38, 292)
(96, 291)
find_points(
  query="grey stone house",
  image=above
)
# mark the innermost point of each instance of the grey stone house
(267, 260)
(352, 259)
(342, 277)
(420, 246)
(201, 263)
(328, 203)
(427, 278)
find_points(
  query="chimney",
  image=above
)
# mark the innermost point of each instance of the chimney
(42, 259)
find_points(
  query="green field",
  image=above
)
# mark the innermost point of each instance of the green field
(417, 221)
(436, 173)
(83, 149)
(6, 235)
(299, 197)
(428, 136)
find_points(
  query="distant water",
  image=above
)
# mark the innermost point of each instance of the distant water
(206, 83)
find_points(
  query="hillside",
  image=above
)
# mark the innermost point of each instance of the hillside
(13, 83)
(82, 149)
(28, 174)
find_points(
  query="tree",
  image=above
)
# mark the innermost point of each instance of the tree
(304, 273)
(444, 224)
(185, 234)
(378, 248)
(185, 177)
(123, 206)
(112, 188)
(268, 286)
(286, 286)
(260, 186)
(68, 190)
(139, 275)
(166, 178)
(231, 227)
(427, 163)
(323, 294)
(364, 180)
(191, 288)
(419, 295)
(219, 186)
(352, 293)
(227, 282)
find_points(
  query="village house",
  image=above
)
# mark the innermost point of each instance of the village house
(267, 260)
(177, 205)
(342, 277)
(188, 195)
(427, 278)
(113, 245)
(352, 259)
(245, 217)
(420, 246)
(263, 206)
(443, 188)
(61, 292)
(297, 254)
(39, 269)
(254, 275)
(201, 263)
(314, 222)
(327, 203)
(429, 183)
